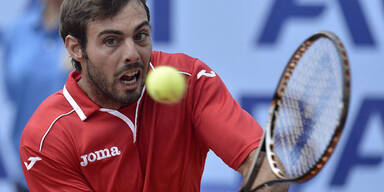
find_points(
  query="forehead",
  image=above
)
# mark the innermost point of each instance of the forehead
(127, 19)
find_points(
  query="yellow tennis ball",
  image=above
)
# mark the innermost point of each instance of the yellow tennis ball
(166, 84)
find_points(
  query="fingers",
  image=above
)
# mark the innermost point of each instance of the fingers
(277, 187)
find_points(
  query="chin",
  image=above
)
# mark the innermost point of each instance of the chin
(131, 97)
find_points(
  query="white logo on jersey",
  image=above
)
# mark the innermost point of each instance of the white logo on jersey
(32, 163)
(204, 73)
(99, 155)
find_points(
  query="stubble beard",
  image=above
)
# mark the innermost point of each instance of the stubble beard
(108, 91)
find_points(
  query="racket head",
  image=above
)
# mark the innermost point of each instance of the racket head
(299, 158)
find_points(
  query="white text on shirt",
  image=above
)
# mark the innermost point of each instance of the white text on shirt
(99, 155)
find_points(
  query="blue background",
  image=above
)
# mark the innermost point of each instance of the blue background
(248, 44)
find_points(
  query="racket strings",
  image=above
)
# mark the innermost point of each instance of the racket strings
(309, 111)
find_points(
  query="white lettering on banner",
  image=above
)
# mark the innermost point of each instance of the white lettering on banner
(32, 163)
(99, 155)
(204, 73)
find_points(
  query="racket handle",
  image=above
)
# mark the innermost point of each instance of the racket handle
(260, 155)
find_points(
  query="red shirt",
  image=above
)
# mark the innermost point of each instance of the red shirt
(71, 144)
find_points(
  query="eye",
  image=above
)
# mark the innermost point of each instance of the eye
(110, 41)
(141, 36)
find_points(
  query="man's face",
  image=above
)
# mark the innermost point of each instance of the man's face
(118, 54)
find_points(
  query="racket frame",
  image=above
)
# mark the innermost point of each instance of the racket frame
(267, 143)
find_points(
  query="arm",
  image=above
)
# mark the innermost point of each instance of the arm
(225, 127)
(265, 174)
(221, 123)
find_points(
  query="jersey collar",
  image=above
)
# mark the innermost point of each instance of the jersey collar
(81, 103)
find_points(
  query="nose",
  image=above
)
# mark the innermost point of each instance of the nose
(130, 52)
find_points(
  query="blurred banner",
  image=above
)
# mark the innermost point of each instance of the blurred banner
(248, 44)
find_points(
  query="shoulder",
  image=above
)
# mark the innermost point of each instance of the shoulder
(47, 115)
(181, 61)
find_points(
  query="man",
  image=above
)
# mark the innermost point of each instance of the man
(102, 132)
(34, 65)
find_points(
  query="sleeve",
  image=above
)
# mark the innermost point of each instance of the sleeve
(224, 126)
(51, 169)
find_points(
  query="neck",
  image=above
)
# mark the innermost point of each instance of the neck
(96, 96)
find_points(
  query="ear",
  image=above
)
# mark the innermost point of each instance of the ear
(74, 48)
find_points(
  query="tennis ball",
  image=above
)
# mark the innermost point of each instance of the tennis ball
(166, 84)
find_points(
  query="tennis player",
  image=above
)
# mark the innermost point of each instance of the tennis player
(102, 132)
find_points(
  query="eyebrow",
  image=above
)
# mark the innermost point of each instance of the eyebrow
(143, 24)
(110, 31)
(117, 32)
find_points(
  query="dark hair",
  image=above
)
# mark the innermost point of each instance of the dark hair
(76, 14)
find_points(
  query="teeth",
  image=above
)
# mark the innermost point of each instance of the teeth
(132, 73)
(130, 78)
(130, 81)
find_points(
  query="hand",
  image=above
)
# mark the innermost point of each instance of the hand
(265, 174)
(277, 187)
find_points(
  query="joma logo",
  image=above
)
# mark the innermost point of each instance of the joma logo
(99, 155)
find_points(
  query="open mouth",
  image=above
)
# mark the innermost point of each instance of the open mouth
(130, 78)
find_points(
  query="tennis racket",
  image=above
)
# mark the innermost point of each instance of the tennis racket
(308, 112)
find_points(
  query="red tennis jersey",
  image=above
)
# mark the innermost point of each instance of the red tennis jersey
(71, 144)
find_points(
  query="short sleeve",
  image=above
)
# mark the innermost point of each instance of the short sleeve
(50, 171)
(220, 121)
